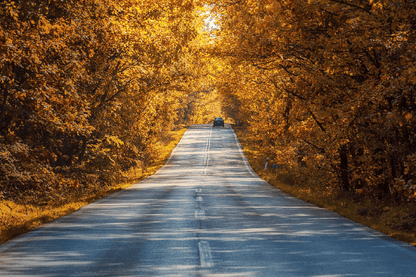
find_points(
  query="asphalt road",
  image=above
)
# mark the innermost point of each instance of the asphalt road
(205, 213)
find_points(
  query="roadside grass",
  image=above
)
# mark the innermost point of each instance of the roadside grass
(17, 219)
(396, 221)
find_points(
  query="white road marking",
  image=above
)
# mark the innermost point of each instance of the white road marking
(200, 214)
(240, 149)
(205, 254)
(198, 190)
(199, 199)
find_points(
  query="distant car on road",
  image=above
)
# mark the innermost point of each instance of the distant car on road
(219, 121)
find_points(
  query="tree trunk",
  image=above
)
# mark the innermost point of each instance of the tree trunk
(343, 154)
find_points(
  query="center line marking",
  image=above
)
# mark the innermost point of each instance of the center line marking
(205, 254)
(200, 214)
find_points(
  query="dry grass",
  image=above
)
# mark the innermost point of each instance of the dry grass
(394, 220)
(17, 219)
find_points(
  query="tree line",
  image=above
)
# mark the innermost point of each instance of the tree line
(328, 86)
(88, 88)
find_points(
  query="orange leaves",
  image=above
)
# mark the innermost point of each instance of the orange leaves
(9, 8)
(93, 83)
(340, 64)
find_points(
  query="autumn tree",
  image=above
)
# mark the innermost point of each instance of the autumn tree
(329, 85)
(88, 87)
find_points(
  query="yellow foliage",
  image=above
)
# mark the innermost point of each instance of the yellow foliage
(312, 83)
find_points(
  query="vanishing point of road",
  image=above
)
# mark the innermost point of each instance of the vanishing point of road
(205, 213)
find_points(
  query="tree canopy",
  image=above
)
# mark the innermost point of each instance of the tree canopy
(329, 85)
(88, 88)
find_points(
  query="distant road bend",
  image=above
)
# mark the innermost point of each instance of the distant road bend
(205, 213)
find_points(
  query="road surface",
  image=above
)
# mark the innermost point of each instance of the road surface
(205, 213)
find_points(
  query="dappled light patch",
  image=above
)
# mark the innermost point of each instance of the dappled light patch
(394, 220)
